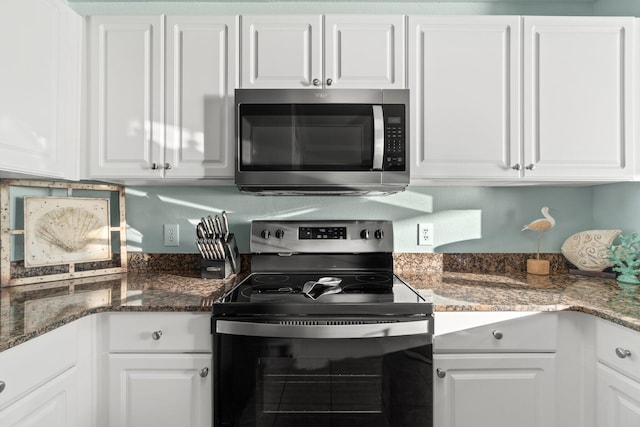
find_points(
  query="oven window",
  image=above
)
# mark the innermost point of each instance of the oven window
(301, 137)
(275, 382)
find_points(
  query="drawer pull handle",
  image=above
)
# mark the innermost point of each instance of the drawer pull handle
(2, 386)
(441, 373)
(622, 352)
(204, 372)
(497, 334)
(156, 335)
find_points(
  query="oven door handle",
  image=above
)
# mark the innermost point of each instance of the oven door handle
(373, 330)
(378, 137)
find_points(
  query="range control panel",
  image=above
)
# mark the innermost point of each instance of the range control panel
(330, 236)
(331, 233)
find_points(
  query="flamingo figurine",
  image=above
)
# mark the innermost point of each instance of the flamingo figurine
(540, 225)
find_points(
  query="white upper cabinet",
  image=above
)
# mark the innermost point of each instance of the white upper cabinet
(126, 124)
(200, 70)
(40, 47)
(161, 108)
(464, 76)
(364, 51)
(281, 51)
(578, 110)
(575, 97)
(312, 51)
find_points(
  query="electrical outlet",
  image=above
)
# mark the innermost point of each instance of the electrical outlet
(425, 234)
(171, 235)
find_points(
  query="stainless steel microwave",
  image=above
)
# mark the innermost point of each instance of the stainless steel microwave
(315, 141)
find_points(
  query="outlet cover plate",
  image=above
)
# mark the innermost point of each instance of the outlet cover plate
(171, 235)
(425, 234)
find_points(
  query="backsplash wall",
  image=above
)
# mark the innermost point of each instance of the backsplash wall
(466, 219)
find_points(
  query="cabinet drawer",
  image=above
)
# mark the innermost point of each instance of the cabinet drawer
(532, 333)
(159, 332)
(619, 347)
(29, 365)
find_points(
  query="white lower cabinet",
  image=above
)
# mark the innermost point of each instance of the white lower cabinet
(47, 381)
(496, 390)
(495, 369)
(618, 376)
(53, 404)
(156, 370)
(618, 399)
(160, 390)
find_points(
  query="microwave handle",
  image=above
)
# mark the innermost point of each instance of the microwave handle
(274, 330)
(378, 137)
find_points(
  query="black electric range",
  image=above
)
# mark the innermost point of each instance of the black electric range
(322, 332)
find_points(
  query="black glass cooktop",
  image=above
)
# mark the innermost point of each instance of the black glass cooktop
(322, 293)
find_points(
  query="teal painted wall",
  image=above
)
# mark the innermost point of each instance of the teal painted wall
(466, 219)
(617, 206)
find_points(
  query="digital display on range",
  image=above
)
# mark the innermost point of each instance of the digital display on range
(324, 233)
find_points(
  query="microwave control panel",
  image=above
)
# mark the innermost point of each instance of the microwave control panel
(394, 138)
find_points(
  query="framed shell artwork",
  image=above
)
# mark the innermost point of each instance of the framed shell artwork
(61, 230)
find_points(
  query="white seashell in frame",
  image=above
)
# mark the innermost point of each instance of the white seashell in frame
(70, 229)
(587, 250)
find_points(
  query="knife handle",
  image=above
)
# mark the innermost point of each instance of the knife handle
(225, 225)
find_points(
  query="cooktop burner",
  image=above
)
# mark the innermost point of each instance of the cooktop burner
(321, 268)
(317, 288)
(320, 288)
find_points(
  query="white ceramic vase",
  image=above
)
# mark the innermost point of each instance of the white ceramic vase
(587, 250)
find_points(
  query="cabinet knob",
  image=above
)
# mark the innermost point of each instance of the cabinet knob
(622, 353)
(156, 335)
(155, 166)
(530, 167)
(516, 167)
(441, 373)
(329, 82)
(2, 386)
(316, 82)
(497, 334)
(204, 372)
(167, 166)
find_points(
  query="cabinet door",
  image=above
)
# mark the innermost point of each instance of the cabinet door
(282, 51)
(126, 125)
(39, 85)
(578, 118)
(200, 70)
(464, 76)
(618, 399)
(364, 51)
(159, 390)
(53, 404)
(497, 390)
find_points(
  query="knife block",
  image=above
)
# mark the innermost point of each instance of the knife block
(222, 268)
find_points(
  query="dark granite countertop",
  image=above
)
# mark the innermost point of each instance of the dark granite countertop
(604, 298)
(31, 310)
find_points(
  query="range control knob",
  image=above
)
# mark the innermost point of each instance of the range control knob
(379, 234)
(364, 234)
(265, 234)
(279, 233)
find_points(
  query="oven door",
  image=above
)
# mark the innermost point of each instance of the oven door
(307, 375)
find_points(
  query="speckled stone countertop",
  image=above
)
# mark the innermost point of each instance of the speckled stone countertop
(31, 310)
(604, 298)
